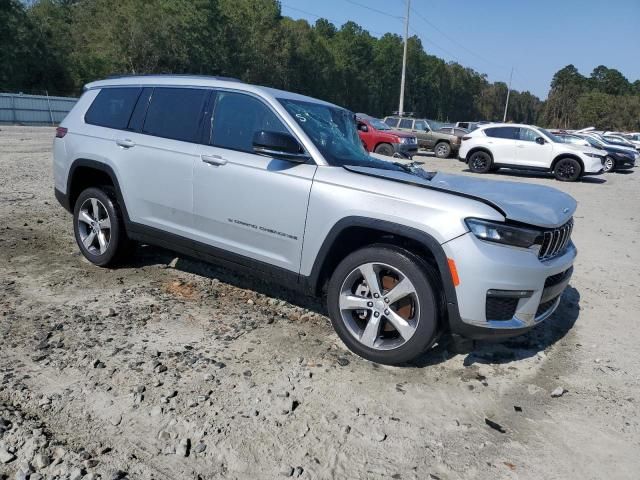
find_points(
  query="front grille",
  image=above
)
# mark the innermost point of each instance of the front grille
(544, 307)
(555, 241)
(557, 278)
(500, 308)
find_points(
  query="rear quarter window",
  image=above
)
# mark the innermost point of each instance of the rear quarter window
(392, 122)
(112, 107)
(406, 123)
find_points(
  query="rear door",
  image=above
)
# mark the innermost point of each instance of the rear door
(157, 156)
(529, 152)
(249, 204)
(502, 143)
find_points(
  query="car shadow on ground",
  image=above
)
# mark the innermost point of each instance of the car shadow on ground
(533, 174)
(147, 255)
(517, 348)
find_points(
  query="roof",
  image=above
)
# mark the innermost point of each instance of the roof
(200, 81)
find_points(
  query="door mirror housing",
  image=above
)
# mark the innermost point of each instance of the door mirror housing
(540, 141)
(279, 145)
(363, 128)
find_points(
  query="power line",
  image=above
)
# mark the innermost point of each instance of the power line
(337, 22)
(381, 12)
(453, 40)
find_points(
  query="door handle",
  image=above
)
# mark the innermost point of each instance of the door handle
(125, 142)
(216, 160)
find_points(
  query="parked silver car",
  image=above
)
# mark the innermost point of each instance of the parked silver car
(279, 185)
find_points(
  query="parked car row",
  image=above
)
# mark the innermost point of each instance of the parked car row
(619, 156)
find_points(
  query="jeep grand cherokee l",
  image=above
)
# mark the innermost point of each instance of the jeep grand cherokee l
(279, 185)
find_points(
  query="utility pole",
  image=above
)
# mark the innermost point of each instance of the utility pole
(506, 105)
(404, 59)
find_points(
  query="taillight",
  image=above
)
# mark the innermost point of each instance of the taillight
(466, 138)
(61, 132)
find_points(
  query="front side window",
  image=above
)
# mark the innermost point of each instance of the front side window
(406, 123)
(528, 135)
(421, 125)
(175, 113)
(379, 124)
(509, 133)
(112, 107)
(236, 119)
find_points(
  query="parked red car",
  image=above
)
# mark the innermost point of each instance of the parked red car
(378, 137)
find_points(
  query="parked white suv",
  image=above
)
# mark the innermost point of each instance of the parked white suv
(279, 185)
(527, 147)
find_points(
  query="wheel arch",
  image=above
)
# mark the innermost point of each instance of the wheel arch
(566, 155)
(382, 142)
(352, 233)
(478, 149)
(85, 173)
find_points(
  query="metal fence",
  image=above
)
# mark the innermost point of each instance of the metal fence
(20, 109)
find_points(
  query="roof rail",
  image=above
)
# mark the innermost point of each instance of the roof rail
(183, 75)
(404, 114)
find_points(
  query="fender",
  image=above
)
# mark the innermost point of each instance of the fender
(430, 243)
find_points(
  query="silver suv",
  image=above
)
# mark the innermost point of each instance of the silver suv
(279, 184)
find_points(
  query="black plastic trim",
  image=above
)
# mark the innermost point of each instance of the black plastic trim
(211, 254)
(103, 167)
(63, 199)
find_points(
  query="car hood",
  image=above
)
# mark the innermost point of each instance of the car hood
(397, 133)
(519, 202)
(584, 148)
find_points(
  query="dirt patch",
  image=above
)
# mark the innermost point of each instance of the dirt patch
(171, 368)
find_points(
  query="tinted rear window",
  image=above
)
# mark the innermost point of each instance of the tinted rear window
(112, 107)
(175, 113)
(406, 123)
(502, 132)
(392, 122)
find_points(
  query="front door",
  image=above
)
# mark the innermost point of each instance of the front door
(529, 153)
(249, 204)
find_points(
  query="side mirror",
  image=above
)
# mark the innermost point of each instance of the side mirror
(363, 128)
(540, 141)
(278, 145)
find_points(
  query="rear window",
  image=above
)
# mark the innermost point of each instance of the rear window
(112, 107)
(406, 123)
(175, 113)
(502, 132)
(392, 122)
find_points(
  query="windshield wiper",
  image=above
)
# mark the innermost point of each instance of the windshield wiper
(415, 168)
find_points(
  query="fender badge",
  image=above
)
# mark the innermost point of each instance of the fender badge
(565, 210)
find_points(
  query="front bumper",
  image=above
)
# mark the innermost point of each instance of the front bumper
(624, 163)
(532, 289)
(408, 149)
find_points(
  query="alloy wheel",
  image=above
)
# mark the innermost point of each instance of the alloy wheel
(441, 151)
(479, 162)
(566, 170)
(379, 306)
(608, 164)
(94, 226)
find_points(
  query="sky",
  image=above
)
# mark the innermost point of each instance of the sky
(491, 36)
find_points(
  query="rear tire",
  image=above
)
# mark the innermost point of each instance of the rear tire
(480, 162)
(99, 228)
(442, 150)
(384, 149)
(567, 170)
(391, 319)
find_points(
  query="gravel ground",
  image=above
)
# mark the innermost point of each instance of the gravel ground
(170, 368)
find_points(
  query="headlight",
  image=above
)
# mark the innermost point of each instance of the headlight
(502, 233)
(406, 140)
(594, 155)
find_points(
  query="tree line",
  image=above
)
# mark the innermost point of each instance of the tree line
(59, 45)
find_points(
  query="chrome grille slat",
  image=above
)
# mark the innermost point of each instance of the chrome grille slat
(554, 242)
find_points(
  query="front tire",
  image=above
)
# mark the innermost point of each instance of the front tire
(99, 228)
(480, 162)
(383, 304)
(384, 149)
(609, 164)
(567, 170)
(443, 150)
